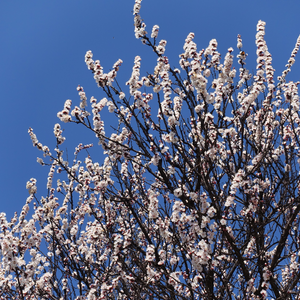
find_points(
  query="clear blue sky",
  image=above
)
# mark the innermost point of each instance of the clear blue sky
(42, 50)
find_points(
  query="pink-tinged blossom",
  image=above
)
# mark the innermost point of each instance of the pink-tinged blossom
(211, 212)
(150, 253)
(161, 48)
(223, 222)
(122, 96)
(155, 30)
(31, 186)
(82, 96)
(153, 206)
(137, 6)
(64, 115)
(58, 134)
(178, 192)
(139, 26)
(239, 42)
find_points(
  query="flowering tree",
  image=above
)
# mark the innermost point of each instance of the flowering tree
(197, 197)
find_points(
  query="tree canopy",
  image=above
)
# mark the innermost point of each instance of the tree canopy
(197, 196)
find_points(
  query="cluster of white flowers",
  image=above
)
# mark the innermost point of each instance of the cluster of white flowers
(239, 42)
(133, 82)
(31, 186)
(50, 175)
(64, 115)
(155, 30)
(98, 125)
(237, 181)
(264, 58)
(83, 98)
(190, 50)
(102, 79)
(139, 26)
(161, 48)
(153, 205)
(170, 137)
(291, 61)
(34, 139)
(58, 134)
(37, 144)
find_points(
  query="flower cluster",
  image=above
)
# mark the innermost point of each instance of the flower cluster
(31, 186)
(155, 30)
(64, 115)
(102, 79)
(139, 26)
(58, 134)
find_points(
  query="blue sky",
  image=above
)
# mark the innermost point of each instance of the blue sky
(42, 50)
